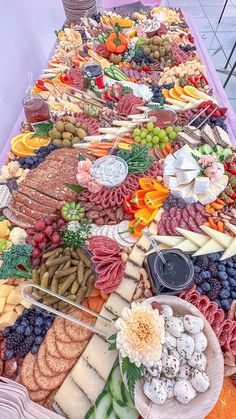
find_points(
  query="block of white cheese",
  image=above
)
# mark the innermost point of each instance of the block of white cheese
(186, 246)
(232, 227)
(105, 326)
(185, 151)
(221, 238)
(99, 357)
(143, 243)
(182, 190)
(5, 290)
(201, 184)
(115, 304)
(71, 400)
(198, 239)
(127, 288)
(222, 182)
(132, 270)
(137, 256)
(188, 163)
(191, 197)
(88, 380)
(7, 319)
(211, 246)
(215, 189)
(206, 198)
(170, 181)
(186, 176)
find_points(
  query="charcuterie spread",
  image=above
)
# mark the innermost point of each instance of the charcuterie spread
(118, 229)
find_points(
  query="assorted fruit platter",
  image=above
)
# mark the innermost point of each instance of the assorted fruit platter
(127, 191)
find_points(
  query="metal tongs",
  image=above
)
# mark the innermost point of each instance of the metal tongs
(30, 299)
(193, 128)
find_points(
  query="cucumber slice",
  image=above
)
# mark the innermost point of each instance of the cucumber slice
(90, 413)
(111, 413)
(102, 404)
(205, 149)
(124, 411)
(115, 382)
(126, 396)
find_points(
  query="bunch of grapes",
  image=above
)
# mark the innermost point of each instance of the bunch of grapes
(155, 136)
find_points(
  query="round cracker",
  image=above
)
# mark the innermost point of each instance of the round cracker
(74, 331)
(26, 374)
(59, 330)
(42, 363)
(71, 350)
(50, 341)
(50, 400)
(64, 365)
(38, 396)
(48, 383)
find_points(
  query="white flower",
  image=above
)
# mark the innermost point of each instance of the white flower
(141, 334)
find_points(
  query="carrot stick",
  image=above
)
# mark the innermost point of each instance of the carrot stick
(165, 153)
(220, 226)
(85, 304)
(94, 293)
(95, 304)
(212, 223)
(209, 209)
(104, 295)
(220, 201)
(216, 206)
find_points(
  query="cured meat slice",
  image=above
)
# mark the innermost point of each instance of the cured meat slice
(39, 197)
(222, 334)
(203, 304)
(25, 200)
(183, 224)
(200, 208)
(103, 242)
(172, 212)
(29, 211)
(231, 340)
(18, 219)
(193, 226)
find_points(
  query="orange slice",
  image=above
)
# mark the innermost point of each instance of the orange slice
(19, 149)
(32, 144)
(165, 93)
(192, 92)
(178, 90)
(17, 138)
(173, 95)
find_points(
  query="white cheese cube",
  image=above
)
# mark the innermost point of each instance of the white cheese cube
(188, 163)
(170, 181)
(184, 177)
(191, 197)
(201, 184)
(182, 190)
(108, 328)
(127, 288)
(115, 304)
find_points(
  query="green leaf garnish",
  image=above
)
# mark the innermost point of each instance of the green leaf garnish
(81, 157)
(112, 346)
(76, 188)
(112, 337)
(133, 374)
(42, 128)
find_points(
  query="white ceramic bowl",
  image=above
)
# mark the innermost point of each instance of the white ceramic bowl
(203, 403)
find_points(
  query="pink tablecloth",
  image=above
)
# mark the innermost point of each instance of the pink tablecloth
(109, 4)
(212, 77)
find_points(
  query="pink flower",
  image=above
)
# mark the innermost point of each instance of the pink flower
(207, 160)
(94, 187)
(83, 179)
(84, 166)
(211, 172)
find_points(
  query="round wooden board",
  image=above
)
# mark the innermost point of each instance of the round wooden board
(203, 402)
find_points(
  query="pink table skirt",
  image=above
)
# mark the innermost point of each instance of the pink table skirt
(108, 4)
(212, 77)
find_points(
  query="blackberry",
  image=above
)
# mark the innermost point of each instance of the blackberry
(215, 288)
(198, 280)
(202, 262)
(212, 267)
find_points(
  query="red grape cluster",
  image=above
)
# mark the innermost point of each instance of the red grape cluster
(44, 234)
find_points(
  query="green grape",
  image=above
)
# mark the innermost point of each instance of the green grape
(149, 138)
(156, 130)
(143, 134)
(137, 139)
(150, 126)
(155, 140)
(166, 140)
(178, 128)
(162, 134)
(137, 132)
(172, 135)
(143, 142)
(149, 145)
(162, 146)
(168, 130)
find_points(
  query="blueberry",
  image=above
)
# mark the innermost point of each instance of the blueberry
(223, 275)
(230, 263)
(205, 274)
(44, 331)
(34, 349)
(224, 293)
(6, 331)
(20, 330)
(217, 302)
(48, 323)
(225, 283)
(197, 269)
(24, 322)
(206, 287)
(199, 289)
(9, 353)
(212, 256)
(26, 311)
(233, 295)
(37, 331)
(231, 272)
(38, 321)
(225, 304)
(38, 340)
(221, 267)
(40, 160)
(217, 256)
(28, 330)
(232, 281)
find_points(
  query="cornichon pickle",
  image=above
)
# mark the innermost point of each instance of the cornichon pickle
(80, 294)
(75, 287)
(57, 261)
(84, 258)
(66, 285)
(65, 272)
(80, 272)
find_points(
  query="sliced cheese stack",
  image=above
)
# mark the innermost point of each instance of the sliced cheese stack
(181, 176)
(201, 244)
(88, 377)
(11, 303)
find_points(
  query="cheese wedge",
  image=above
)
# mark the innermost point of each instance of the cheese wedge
(201, 184)
(170, 181)
(182, 190)
(196, 238)
(191, 197)
(108, 328)
(7, 319)
(97, 354)
(132, 271)
(232, 228)
(14, 297)
(222, 238)
(185, 151)
(206, 198)
(127, 288)
(115, 304)
(72, 401)
(187, 164)
(211, 246)
(184, 177)
(88, 380)
(222, 182)
(2, 304)
(186, 246)
(169, 241)
(5, 290)
(230, 251)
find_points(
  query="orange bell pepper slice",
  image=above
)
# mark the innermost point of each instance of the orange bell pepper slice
(153, 199)
(145, 215)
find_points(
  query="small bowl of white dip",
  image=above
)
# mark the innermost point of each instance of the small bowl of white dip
(110, 171)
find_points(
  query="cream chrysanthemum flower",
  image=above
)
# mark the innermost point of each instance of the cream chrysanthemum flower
(141, 334)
